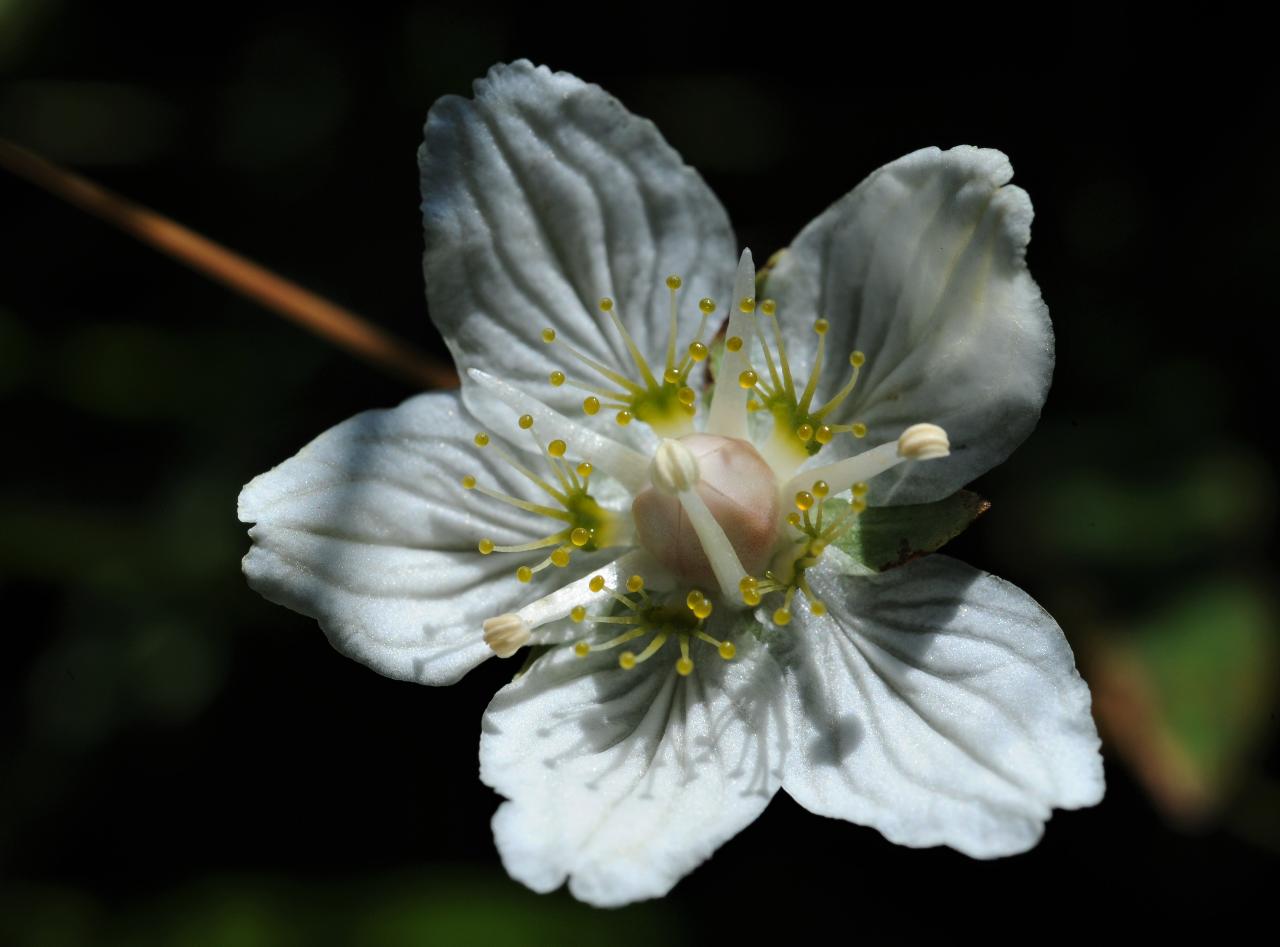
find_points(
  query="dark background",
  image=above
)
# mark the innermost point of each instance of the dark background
(182, 761)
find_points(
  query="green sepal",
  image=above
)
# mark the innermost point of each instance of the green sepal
(885, 537)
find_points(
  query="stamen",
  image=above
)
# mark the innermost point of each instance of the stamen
(918, 442)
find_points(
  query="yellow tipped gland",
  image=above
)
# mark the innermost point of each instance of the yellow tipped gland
(702, 610)
(804, 500)
(693, 598)
(557, 448)
(768, 307)
(707, 305)
(580, 536)
(782, 617)
(582, 649)
(525, 422)
(672, 376)
(674, 282)
(860, 489)
(687, 396)
(584, 470)
(793, 519)
(805, 433)
(577, 613)
(485, 546)
(733, 343)
(591, 405)
(524, 574)
(684, 666)
(727, 650)
(596, 583)
(626, 660)
(556, 378)
(821, 488)
(635, 583)
(748, 379)
(859, 429)
(698, 352)
(548, 335)
(751, 597)
(857, 359)
(821, 326)
(823, 434)
(623, 417)
(469, 482)
(606, 304)
(747, 304)
(482, 439)
(560, 558)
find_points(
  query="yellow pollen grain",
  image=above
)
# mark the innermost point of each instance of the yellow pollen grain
(557, 448)
(556, 378)
(707, 305)
(821, 326)
(524, 574)
(635, 583)
(578, 613)
(606, 304)
(727, 650)
(584, 469)
(697, 351)
(482, 439)
(525, 422)
(674, 282)
(626, 660)
(747, 379)
(582, 649)
(733, 343)
(548, 335)
(623, 417)
(859, 429)
(485, 546)
(591, 405)
(684, 667)
(596, 583)
(821, 488)
(469, 482)
(747, 304)
(804, 500)
(560, 558)
(781, 617)
(580, 536)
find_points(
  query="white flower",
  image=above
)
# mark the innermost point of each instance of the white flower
(711, 643)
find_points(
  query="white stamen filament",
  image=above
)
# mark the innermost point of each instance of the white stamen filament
(728, 416)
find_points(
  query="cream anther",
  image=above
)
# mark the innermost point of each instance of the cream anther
(923, 442)
(674, 468)
(506, 634)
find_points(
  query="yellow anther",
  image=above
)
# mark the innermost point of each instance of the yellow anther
(751, 597)
(804, 500)
(747, 304)
(817, 608)
(781, 617)
(557, 448)
(684, 667)
(485, 546)
(623, 417)
(727, 650)
(556, 378)
(794, 520)
(707, 305)
(674, 282)
(859, 506)
(857, 359)
(578, 613)
(671, 376)
(596, 583)
(482, 439)
(823, 434)
(560, 558)
(524, 574)
(733, 343)
(859, 429)
(548, 335)
(584, 470)
(860, 489)
(693, 598)
(582, 649)
(606, 304)
(591, 405)
(697, 351)
(702, 609)
(821, 326)
(580, 536)
(747, 379)
(526, 421)
(805, 433)
(626, 660)
(821, 488)
(768, 307)
(635, 583)
(469, 482)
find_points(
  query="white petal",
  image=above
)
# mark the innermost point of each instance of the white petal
(542, 195)
(940, 705)
(624, 781)
(369, 531)
(922, 268)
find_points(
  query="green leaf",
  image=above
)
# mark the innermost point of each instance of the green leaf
(885, 537)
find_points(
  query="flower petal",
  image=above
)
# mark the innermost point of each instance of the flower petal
(625, 781)
(542, 195)
(940, 705)
(368, 530)
(922, 268)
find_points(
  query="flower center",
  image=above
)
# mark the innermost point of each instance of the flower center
(736, 487)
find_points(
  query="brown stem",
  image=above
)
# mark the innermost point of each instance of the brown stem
(340, 326)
